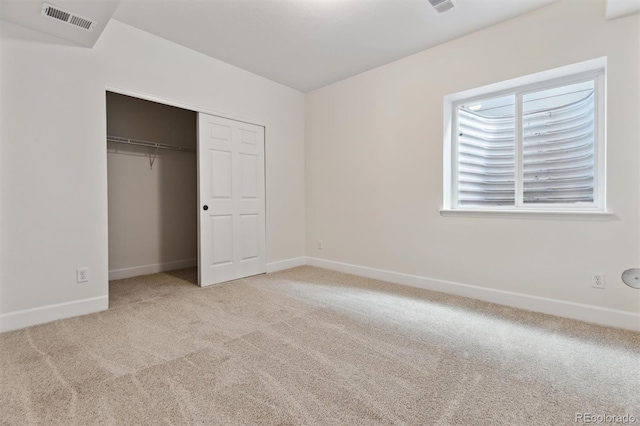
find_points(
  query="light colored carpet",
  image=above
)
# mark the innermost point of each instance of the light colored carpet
(310, 346)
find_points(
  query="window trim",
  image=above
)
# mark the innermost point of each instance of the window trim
(593, 216)
(593, 70)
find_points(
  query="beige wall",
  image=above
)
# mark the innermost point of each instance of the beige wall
(374, 165)
(53, 169)
(372, 178)
(152, 211)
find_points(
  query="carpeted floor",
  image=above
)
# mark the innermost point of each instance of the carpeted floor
(310, 346)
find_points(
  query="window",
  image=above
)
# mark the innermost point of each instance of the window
(535, 146)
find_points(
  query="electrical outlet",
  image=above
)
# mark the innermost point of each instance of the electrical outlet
(82, 275)
(597, 280)
(320, 245)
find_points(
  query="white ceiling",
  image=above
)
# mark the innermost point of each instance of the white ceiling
(28, 14)
(620, 8)
(307, 44)
(303, 44)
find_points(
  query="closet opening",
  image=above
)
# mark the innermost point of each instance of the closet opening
(152, 194)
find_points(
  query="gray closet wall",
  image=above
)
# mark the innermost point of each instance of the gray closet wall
(152, 211)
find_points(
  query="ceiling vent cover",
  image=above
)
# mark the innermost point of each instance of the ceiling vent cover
(68, 17)
(442, 6)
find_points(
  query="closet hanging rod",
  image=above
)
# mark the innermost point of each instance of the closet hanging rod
(148, 144)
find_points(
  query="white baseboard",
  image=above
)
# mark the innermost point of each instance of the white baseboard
(119, 274)
(44, 314)
(561, 308)
(578, 311)
(286, 264)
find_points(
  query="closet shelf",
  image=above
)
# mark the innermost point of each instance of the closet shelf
(148, 144)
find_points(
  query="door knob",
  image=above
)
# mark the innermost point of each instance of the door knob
(205, 207)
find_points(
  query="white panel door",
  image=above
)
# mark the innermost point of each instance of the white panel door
(231, 198)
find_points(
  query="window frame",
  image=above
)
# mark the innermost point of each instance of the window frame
(595, 71)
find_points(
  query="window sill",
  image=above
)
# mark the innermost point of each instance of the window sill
(533, 214)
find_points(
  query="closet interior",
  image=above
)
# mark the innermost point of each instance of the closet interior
(152, 187)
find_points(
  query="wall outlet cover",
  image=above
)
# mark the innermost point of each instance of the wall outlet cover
(597, 280)
(82, 275)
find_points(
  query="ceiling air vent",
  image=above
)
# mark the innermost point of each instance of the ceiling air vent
(68, 17)
(441, 6)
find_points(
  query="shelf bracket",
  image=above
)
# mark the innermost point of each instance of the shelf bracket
(153, 159)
